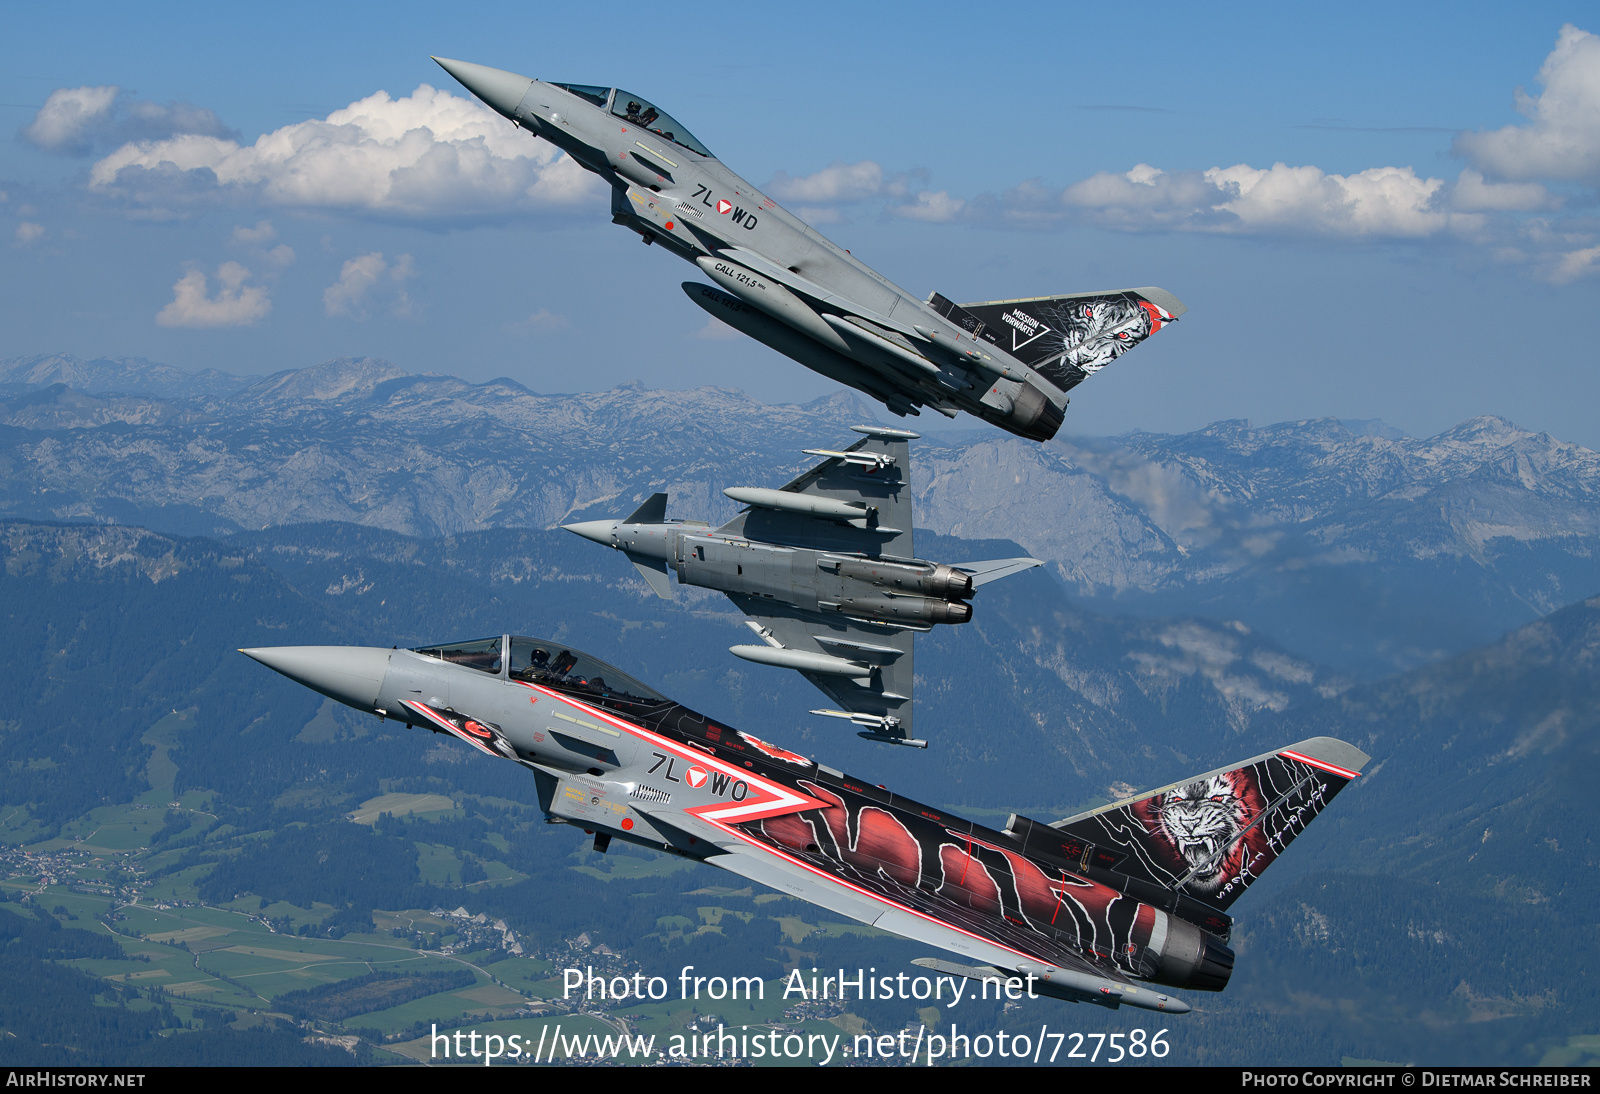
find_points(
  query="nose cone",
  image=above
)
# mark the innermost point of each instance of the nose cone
(351, 674)
(603, 532)
(495, 86)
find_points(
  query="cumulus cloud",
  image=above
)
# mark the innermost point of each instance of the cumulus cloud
(1562, 139)
(1493, 204)
(837, 182)
(75, 121)
(235, 305)
(1571, 265)
(263, 232)
(1380, 202)
(1473, 194)
(359, 277)
(428, 155)
(824, 194)
(29, 232)
(939, 207)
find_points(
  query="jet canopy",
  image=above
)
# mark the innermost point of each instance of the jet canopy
(539, 661)
(638, 110)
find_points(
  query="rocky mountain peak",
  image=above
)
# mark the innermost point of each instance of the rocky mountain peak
(121, 375)
(343, 379)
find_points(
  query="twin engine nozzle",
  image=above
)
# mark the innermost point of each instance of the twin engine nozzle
(939, 580)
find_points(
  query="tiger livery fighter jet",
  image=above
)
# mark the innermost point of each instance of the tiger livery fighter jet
(1115, 906)
(1010, 362)
(824, 567)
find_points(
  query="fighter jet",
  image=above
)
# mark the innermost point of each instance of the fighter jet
(1010, 362)
(1113, 906)
(825, 569)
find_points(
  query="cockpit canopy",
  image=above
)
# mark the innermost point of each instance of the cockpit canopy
(540, 661)
(634, 108)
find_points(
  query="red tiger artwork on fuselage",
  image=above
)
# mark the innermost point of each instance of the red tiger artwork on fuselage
(993, 881)
(880, 844)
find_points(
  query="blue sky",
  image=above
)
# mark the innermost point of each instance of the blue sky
(1428, 250)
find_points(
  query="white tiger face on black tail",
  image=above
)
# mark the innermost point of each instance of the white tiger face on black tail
(1097, 332)
(1203, 820)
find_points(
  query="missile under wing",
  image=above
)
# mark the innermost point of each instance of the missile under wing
(1114, 907)
(778, 280)
(825, 569)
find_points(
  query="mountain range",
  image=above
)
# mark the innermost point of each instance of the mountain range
(1351, 544)
(1209, 596)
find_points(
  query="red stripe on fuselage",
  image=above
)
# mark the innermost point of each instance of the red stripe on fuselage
(709, 815)
(776, 801)
(444, 723)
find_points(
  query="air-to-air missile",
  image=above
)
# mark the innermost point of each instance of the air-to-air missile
(825, 569)
(1114, 906)
(1010, 362)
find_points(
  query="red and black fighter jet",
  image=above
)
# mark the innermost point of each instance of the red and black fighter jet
(1112, 906)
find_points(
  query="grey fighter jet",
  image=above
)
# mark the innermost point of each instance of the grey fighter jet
(1115, 906)
(825, 569)
(1010, 362)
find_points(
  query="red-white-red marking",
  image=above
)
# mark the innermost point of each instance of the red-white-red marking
(1339, 771)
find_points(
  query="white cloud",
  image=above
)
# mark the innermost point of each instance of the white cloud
(29, 232)
(1563, 139)
(280, 256)
(1575, 264)
(263, 232)
(938, 207)
(235, 305)
(429, 155)
(1380, 202)
(357, 278)
(1472, 194)
(837, 182)
(64, 121)
(74, 121)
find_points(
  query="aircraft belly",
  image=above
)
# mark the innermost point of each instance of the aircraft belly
(924, 930)
(777, 875)
(793, 344)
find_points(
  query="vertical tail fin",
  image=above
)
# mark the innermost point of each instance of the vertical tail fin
(1212, 835)
(1066, 338)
